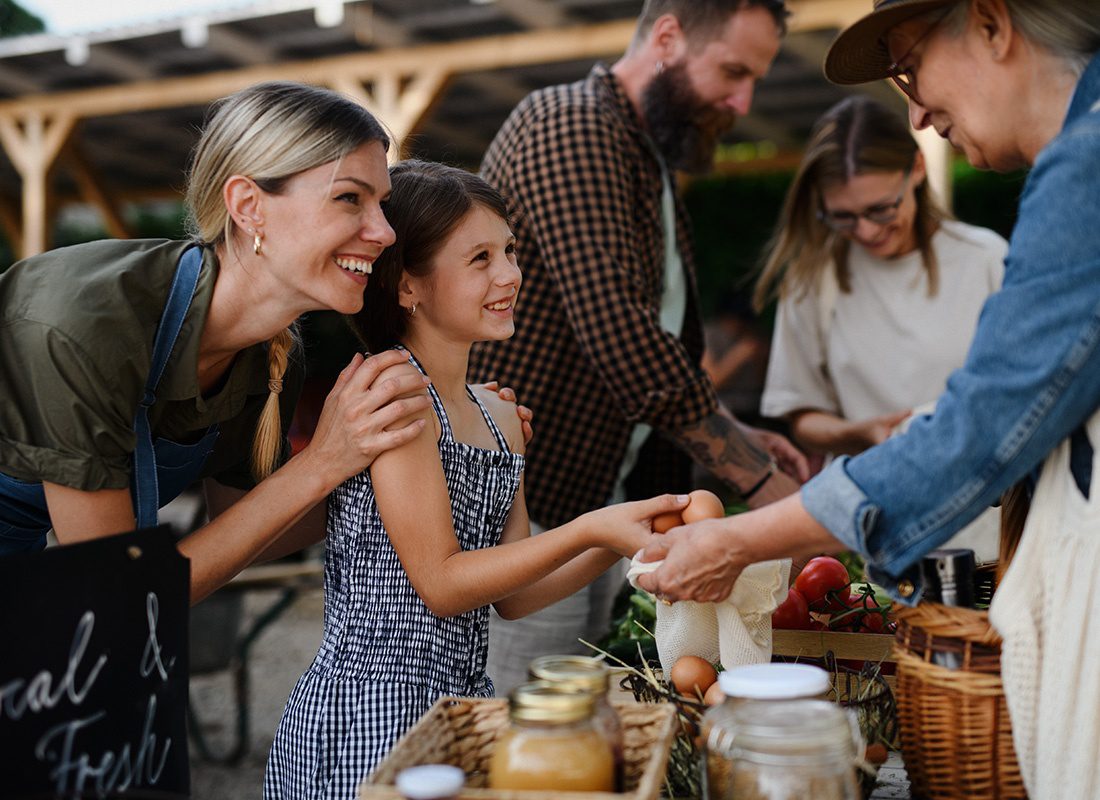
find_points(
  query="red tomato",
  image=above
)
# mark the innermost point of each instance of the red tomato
(793, 613)
(819, 576)
(873, 622)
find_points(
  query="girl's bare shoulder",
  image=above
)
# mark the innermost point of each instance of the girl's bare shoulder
(504, 415)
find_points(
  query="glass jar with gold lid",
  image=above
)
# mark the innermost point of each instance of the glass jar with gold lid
(551, 743)
(589, 675)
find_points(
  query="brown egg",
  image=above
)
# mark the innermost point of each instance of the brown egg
(663, 523)
(876, 753)
(692, 676)
(714, 695)
(703, 505)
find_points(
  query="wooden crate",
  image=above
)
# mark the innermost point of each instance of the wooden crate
(873, 647)
(463, 732)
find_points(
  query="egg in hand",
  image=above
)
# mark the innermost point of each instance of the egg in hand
(701, 505)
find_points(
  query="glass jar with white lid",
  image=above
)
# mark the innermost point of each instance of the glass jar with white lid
(751, 685)
(786, 750)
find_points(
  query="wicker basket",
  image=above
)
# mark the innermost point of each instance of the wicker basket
(463, 732)
(956, 736)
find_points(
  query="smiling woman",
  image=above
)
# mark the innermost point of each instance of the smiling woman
(285, 194)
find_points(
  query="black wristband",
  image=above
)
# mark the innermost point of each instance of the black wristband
(756, 487)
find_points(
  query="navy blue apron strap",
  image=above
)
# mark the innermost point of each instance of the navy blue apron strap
(143, 484)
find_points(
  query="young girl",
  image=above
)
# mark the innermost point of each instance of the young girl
(421, 543)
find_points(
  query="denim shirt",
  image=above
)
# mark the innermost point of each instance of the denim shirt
(1031, 377)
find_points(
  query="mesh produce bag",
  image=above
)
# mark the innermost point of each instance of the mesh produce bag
(736, 631)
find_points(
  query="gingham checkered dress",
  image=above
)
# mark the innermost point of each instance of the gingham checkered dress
(385, 658)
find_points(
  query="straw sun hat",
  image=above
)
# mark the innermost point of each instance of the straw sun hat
(859, 54)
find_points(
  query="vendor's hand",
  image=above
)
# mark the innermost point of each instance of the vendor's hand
(523, 412)
(701, 562)
(788, 458)
(363, 417)
(627, 527)
(877, 430)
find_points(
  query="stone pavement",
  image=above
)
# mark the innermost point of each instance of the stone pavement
(279, 655)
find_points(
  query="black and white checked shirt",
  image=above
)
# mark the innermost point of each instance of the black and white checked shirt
(589, 355)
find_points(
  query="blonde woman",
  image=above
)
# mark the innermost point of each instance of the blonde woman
(285, 194)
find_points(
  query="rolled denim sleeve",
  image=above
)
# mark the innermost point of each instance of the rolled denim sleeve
(1031, 378)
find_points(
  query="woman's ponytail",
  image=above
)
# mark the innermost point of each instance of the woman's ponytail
(267, 445)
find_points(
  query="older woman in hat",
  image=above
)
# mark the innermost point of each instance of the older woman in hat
(1011, 83)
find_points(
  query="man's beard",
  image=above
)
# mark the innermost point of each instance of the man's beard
(685, 130)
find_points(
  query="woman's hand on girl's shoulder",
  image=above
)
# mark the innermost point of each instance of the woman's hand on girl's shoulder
(508, 395)
(377, 404)
(513, 419)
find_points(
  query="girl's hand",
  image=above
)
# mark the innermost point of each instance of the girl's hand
(627, 527)
(364, 417)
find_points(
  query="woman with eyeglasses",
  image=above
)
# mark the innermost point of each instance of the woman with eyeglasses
(1011, 83)
(879, 289)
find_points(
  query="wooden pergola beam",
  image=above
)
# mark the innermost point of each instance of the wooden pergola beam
(487, 53)
(92, 191)
(814, 15)
(405, 82)
(32, 141)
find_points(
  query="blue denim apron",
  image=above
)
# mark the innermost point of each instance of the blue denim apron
(161, 469)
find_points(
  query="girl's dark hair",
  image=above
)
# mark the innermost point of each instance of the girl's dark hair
(427, 202)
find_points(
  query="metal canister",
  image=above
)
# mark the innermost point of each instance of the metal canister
(949, 577)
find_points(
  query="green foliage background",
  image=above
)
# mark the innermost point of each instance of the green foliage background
(734, 217)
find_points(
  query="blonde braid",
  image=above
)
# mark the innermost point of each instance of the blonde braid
(267, 445)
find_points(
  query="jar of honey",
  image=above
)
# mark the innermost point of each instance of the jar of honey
(589, 675)
(552, 743)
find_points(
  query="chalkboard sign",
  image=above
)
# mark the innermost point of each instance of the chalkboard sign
(93, 670)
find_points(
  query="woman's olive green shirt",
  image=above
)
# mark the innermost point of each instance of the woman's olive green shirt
(76, 340)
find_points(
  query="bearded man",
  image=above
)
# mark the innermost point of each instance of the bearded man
(608, 337)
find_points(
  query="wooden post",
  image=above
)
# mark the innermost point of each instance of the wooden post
(32, 143)
(400, 101)
(938, 155)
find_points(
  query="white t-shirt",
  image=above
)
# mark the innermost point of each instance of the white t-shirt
(887, 346)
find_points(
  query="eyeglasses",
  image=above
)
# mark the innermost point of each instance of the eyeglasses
(906, 79)
(880, 213)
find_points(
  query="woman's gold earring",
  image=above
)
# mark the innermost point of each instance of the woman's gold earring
(258, 244)
(413, 309)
